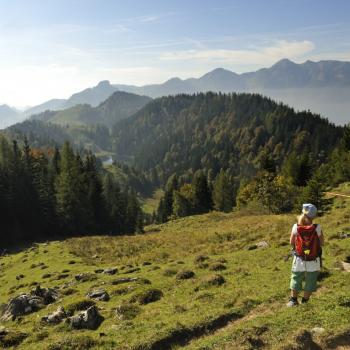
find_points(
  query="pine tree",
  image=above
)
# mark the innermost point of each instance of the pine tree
(134, 220)
(115, 202)
(315, 193)
(223, 193)
(181, 205)
(72, 201)
(202, 200)
(94, 194)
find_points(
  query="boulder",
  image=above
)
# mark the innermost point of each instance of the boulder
(110, 271)
(89, 319)
(259, 245)
(345, 266)
(56, 317)
(262, 244)
(98, 294)
(30, 302)
(124, 280)
(84, 277)
(317, 330)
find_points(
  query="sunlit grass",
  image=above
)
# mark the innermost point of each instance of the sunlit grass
(256, 283)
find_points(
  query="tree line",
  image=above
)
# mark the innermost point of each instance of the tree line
(300, 179)
(60, 192)
(200, 196)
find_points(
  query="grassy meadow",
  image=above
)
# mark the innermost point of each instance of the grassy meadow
(218, 290)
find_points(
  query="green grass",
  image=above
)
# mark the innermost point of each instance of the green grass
(245, 312)
(150, 205)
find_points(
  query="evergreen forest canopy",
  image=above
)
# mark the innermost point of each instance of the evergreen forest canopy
(185, 133)
(45, 194)
(208, 151)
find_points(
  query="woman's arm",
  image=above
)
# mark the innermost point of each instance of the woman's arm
(292, 239)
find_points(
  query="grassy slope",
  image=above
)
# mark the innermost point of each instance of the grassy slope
(150, 205)
(253, 296)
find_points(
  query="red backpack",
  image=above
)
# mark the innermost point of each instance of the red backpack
(307, 243)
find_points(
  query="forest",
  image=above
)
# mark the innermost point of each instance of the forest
(50, 193)
(206, 151)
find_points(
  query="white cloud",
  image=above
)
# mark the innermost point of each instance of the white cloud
(258, 55)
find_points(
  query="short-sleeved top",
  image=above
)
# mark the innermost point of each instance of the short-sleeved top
(300, 265)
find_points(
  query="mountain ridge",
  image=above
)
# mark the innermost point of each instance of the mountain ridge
(323, 87)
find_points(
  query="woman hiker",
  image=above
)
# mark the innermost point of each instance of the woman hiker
(306, 239)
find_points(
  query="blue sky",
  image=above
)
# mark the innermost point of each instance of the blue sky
(53, 48)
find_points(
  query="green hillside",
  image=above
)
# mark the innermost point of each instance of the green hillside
(118, 106)
(181, 134)
(216, 288)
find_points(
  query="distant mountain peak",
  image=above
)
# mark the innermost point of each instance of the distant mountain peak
(219, 72)
(284, 62)
(104, 83)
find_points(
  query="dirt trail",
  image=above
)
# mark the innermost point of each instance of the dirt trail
(337, 194)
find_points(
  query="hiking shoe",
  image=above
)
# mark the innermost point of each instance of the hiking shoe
(304, 300)
(292, 302)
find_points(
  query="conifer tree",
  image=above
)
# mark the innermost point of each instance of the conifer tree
(202, 200)
(181, 205)
(223, 193)
(72, 201)
(315, 193)
(94, 194)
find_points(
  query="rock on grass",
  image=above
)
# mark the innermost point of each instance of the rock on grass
(56, 317)
(84, 277)
(89, 319)
(185, 274)
(110, 271)
(98, 294)
(148, 296)
(30, 302)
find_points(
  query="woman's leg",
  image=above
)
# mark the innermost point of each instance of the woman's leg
(310, 284)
